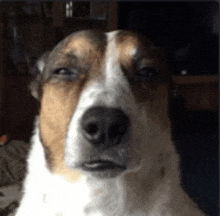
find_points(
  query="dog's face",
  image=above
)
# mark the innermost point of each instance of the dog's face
(103, 104)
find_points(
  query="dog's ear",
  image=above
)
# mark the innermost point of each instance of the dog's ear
(37, 70)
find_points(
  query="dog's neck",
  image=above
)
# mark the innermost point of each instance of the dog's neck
(128, 195)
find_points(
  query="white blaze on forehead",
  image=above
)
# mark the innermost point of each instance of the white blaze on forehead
(112, 70)
(111, 60)
(115, 85)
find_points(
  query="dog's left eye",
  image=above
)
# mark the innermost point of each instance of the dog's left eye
(66, 73)
(147, 74)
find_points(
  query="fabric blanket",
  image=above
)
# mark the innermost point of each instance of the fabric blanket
(12, 171)
(9, 199)
(13, 162)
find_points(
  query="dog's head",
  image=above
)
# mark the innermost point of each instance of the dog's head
(104, 99)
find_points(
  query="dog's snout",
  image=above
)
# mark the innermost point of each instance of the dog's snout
(103, 126)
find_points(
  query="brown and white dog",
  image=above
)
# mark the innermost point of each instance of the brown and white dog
(102, 143)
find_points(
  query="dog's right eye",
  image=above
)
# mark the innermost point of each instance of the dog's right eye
(65, 73)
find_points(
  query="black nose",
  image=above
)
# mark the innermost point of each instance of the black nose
(103, 126)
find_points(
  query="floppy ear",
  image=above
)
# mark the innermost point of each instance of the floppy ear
(37, 70)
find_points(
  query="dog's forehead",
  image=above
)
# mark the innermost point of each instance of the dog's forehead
(89, 43)
(83, 41)
(95, 53)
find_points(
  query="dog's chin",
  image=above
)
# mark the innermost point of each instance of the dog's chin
(102, 169)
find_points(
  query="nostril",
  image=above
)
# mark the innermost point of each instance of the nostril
(91, 128)
(113, 130)
(93, 132)
(122, 129)
(116, 132)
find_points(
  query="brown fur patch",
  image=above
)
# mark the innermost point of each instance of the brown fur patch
(89, 48)
(48, 157)
(127, 44)
(81, 51)
(84, 52)
(133, 51)
(57, 105)
(154, 97)
(80, 45)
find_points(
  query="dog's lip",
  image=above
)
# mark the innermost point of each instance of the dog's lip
(102, 165)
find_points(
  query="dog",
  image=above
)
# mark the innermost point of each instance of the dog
(102, 142)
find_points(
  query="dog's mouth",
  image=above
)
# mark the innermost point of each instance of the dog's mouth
(102, 165)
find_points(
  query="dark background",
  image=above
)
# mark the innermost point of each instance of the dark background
(176, 25)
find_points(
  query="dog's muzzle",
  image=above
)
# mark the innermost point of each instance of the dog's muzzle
(104, 128)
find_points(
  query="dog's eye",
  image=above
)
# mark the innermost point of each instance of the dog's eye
(144, 75)
(66, 73)
(147, 74)
(148, 70)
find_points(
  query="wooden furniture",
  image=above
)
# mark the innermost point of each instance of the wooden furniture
(201, 92)
(110, 24)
